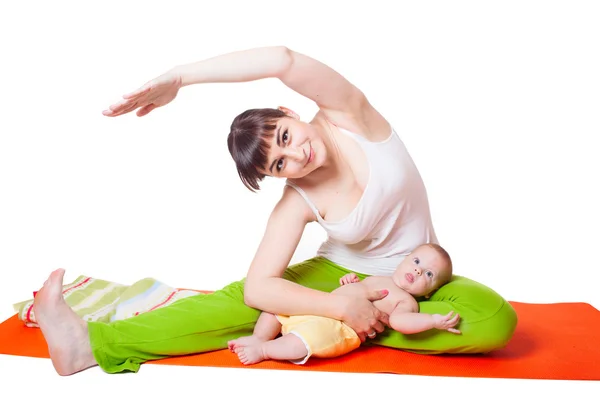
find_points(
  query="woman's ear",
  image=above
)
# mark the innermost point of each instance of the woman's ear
(289, 112)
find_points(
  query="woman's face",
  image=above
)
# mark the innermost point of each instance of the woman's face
(296, 150)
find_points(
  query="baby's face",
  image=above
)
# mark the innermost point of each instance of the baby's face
(421, 272)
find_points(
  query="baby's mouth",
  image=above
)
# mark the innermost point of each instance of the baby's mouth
(409, 278)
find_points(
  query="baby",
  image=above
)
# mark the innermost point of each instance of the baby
(422, 272)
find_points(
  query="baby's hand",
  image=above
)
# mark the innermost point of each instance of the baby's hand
(446, 322)
(349, 278)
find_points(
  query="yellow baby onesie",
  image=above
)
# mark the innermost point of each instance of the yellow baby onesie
(323, 337)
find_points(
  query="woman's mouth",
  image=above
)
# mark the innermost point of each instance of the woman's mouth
(311, 155)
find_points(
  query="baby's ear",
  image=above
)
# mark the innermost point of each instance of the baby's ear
(289, 112)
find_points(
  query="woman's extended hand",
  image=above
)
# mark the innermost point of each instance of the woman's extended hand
(362, 316)
(156, 93)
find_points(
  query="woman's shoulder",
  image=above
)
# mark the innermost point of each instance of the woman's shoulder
(294, 204)
(368, 123)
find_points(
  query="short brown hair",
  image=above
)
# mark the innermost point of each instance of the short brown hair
(248, 144)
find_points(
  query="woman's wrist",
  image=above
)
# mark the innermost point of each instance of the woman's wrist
(337, 307)
(182, 74)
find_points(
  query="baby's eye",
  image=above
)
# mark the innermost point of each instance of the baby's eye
(280, 164)
(416, 260)
(429, 274)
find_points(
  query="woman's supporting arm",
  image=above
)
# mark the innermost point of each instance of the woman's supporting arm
(266, 290)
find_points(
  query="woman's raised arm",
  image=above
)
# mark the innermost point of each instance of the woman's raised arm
(303, 74)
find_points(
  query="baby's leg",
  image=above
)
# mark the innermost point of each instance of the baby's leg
(267, 328)
(287, 347)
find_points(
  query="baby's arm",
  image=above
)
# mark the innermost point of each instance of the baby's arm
(406, 319)
(349, 278)
(351, 285)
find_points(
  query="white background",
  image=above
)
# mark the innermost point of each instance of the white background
(497, 103)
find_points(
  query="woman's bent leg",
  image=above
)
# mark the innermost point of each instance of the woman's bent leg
(487, 321)
(195, 324)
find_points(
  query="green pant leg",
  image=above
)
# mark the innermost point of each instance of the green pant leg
(487, 321)
(317, 273)
(195, 324)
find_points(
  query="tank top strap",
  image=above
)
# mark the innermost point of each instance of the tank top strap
(305, 197)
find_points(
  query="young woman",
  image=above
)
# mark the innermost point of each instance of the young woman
(346, 169)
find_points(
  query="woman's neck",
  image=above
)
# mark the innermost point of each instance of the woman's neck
(335, 162)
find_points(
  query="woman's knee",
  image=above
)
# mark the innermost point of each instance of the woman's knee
(487, 320)
(496, 331)
(316, 273)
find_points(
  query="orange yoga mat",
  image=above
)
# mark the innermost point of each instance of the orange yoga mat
(552, 341)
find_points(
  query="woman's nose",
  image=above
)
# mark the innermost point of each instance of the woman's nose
(295, 153)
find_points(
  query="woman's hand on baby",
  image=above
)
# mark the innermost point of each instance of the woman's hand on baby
(363, 317)
(156, 93)
(446, 322)
(349, 278)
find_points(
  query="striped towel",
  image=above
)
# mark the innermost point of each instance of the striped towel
(99, 300)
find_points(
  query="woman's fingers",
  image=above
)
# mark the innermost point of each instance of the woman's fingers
(119, 107)
(145, 110)
(145, 88)
(127, 108)
(383, 319)
(152, 94)
(379, 327)
(377, 295)
(115, 107)
(129, 103)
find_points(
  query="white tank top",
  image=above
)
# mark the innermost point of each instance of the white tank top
(390, 220)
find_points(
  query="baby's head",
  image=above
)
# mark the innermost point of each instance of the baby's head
(424, 270)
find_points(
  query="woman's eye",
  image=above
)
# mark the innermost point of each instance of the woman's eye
(416, 261)
(280, 164)
(285, 137)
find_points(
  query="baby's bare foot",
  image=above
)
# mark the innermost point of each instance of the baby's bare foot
(251, 354)
(66, 334)
(244, 341)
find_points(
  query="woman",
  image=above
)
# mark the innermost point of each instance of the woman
(346, 169)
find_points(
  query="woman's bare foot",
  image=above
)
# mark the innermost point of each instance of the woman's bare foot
(251, 354)
(245, 341)
(66, 334)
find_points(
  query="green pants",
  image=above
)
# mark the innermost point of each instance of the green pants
(206, 322)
